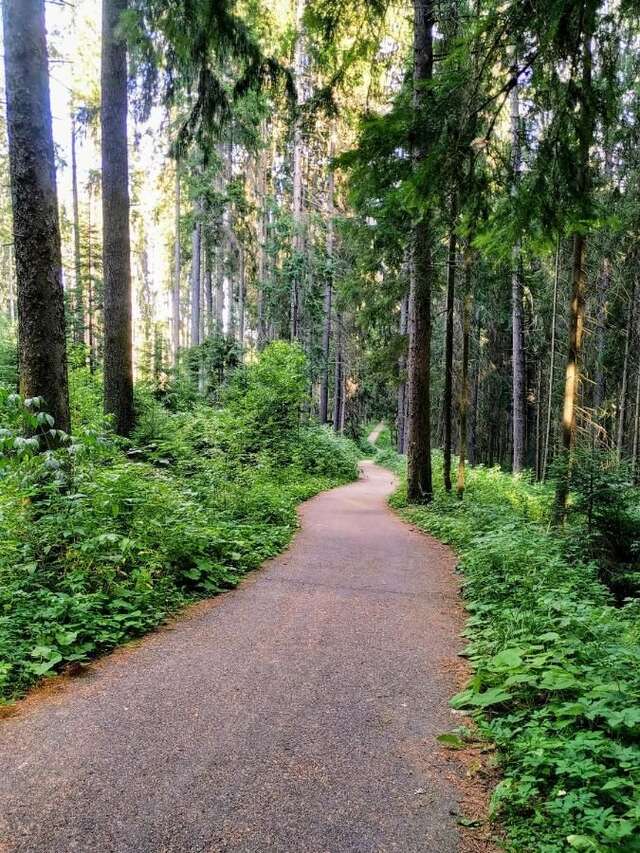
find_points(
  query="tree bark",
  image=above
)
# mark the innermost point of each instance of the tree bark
(338, 385)
(78, 307)
(464, 390)
(91, 325)
(475, 395)
(175, 293)
(517, 316)
(118, 334)
(601, 335)
(401, 412)
(241, 294)
(636, 430)
(196, 295)
(298, 154)
(552, 364)
(419, 472)
(208, 292)
(447, 402)
(36, 231)
(622, 411)
(579, 269)
(327, 296)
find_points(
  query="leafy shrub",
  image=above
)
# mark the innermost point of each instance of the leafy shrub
(264, 401)
(320, 451)
(103, 538)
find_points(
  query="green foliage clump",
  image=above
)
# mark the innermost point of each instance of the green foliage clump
(103, 538)
(556, 668)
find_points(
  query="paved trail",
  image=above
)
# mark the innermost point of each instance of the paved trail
(374, 435)
(296, 714)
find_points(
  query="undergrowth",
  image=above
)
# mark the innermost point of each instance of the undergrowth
(103, 538)
(556, 665)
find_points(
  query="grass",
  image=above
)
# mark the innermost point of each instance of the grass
(556, 666)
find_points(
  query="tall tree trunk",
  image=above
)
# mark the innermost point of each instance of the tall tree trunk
(78, 306)
(552, 364)
(208, 292)
(36, 232)
(220, 292)
(475, 394)
(196, 295)
(175, 293)
(464, 390)
(539, 420)
(338, 384)
(91, 326)
(622, 411)
(118, 333)
(241, 294)
(298, 156)
(263, 218)
(447, 403)
(419, 472)
(636, 429)
(401, 412)
(579, 268)
(328, 288)
(517, 315)
(604, 281)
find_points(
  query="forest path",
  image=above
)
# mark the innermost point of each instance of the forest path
(374, 435)
(296, 714)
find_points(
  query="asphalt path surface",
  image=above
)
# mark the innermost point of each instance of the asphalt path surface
(295, 714)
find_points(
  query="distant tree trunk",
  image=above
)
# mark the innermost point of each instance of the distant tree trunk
(552, 364)
(196, 294)
(175, 293)
(475, 395)
(36, 232)
(601, 335)
(220, 293)
(401, 415)
(297, 200)
(93, 355)
(464, 390)
(636, 429)
(338, 385)
(579, 269)
(622, 411)
(78, 306)
(241, 290)
(419, 473)
(447, 403)
(263, 169)
(539, 421)
(517, 315)
(208, 293)
(118, 333)
(328, 287)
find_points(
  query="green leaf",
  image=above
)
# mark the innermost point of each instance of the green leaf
(66, 638)
(508, 659)
(582, 842)
(45, 666)
(450, 740)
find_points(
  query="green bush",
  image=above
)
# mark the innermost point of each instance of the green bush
(556, 668)
(103, 538)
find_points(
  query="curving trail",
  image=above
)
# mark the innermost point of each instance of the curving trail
(296, 714)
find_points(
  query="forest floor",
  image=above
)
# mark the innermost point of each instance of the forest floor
(298, 712)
